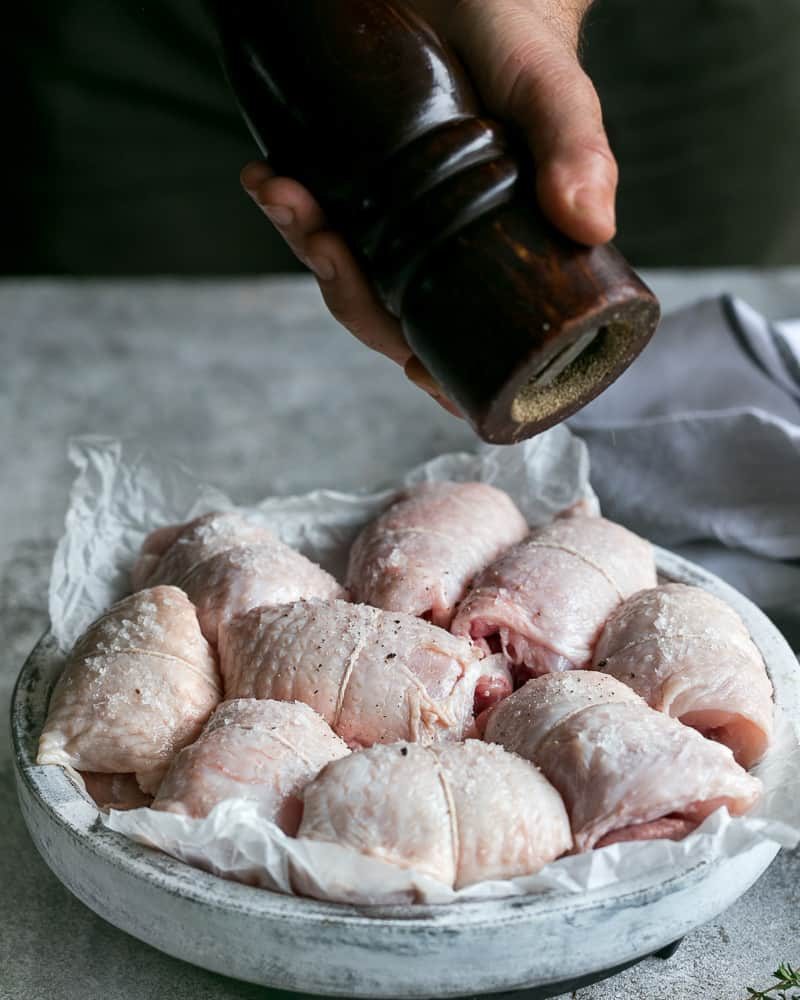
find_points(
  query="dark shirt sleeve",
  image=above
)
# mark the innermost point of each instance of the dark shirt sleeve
(702, 104)
(129, 146)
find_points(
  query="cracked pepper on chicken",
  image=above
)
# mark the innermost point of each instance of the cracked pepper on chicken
(354, 723)
(545, 601)
(138, 686)
(689, 654)
(476, 812)
(227, 565)
(623, 769)
(262, 751)
(421, 554)
(374, 676)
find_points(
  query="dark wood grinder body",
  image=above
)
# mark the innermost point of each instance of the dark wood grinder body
(361, 102)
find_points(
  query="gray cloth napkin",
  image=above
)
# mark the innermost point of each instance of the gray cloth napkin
(697, 446)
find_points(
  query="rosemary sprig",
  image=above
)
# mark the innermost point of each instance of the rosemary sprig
(787, 978)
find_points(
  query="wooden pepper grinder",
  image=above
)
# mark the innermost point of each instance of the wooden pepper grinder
(361, 102)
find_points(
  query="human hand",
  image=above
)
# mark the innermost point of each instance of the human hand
(522, 55)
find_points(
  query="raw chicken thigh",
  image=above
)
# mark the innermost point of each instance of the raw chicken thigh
(420, 555)
(690, 655)
(460, 813)
(228, 565)
(545, 601)
(137, 687)
(115, 791)
(170, 553)
(263, 751)
(374, 676)
(625, 771)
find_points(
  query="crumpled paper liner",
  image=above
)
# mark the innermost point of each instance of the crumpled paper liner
(123, 491)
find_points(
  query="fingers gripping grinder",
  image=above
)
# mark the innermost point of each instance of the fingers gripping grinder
(361, 102)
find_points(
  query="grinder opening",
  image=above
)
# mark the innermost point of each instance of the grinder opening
(574, 374)
(550, 371)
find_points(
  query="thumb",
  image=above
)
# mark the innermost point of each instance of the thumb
(528, 71)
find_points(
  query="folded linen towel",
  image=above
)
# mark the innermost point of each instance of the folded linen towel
(697, 446)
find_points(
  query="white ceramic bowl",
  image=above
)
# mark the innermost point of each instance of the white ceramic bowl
(549, 941)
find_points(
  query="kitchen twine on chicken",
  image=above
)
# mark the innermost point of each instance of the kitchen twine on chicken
(450, 806)
(352, 659)
(583, 558)
(210, 681)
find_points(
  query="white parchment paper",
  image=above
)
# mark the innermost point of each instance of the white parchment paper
(123, 491)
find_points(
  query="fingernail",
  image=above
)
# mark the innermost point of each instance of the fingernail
(422, 378)
(417, 373)
(592, 202)
(279, 215)
(253, 175)
(449, 405)
(322, 267)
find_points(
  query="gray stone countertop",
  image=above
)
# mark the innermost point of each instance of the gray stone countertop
(252, 386)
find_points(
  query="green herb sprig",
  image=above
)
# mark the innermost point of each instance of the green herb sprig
(787, 979)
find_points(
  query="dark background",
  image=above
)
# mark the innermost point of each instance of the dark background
(123, 145)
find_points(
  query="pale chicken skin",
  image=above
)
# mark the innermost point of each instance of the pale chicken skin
(460, 813)
(545, 601)
(138, 686)
(170, 553)
(624, 770)
(261, 751)
(374, 676)
(227, 565)
(420, 555)
(689, 654)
